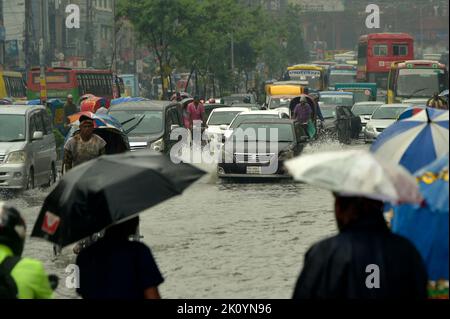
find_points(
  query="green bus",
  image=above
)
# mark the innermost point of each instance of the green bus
(78, 82)
(362, 92)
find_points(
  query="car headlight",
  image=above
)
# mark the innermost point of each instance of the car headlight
(370, 128)
(285, 155)
(17, 157)
(158, 146)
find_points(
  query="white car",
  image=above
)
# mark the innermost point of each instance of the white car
(365, 110)
(383, 117)
(218, 122)
(254, 115)
(416, 101)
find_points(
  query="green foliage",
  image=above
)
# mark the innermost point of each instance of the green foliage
(196, 36)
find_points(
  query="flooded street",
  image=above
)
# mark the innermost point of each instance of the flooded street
(220, 239)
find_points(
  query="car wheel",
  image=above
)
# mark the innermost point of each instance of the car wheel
(30, 180)
(52, 176)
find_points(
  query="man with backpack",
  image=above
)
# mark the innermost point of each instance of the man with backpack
(20, 278)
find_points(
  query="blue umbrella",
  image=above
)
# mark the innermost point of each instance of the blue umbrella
(444, 93)
(416, 141)
(426, 226)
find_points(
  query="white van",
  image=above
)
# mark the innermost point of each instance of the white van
(27, 147)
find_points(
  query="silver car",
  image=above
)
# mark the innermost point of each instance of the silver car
(365, 110)
(27, 147)
(383, 117)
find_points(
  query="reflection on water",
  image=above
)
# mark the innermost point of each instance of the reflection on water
(219, 240)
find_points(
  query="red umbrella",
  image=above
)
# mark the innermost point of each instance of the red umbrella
(93, 104)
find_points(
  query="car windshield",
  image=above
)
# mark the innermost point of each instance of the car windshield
(264, 132)
(328, 112)
(278, 102)
(342, 77)
(244, 117)
(420, 82)
(387, 113)
(364, 109)
(342, 100)
(152, 123)
(221, 118)
(12, 128)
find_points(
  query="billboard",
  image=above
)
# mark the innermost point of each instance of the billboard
(320, 5)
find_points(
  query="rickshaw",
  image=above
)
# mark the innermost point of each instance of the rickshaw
(105, 126)
(312, 126)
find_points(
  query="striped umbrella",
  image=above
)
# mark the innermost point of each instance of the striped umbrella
(416, 141)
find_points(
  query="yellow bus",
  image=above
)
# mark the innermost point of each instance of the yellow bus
(416, 79)
(311, 76)
(12, 85)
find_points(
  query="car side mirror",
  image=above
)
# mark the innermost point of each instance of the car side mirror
(223, 127)
(38, 135)
(173, 127)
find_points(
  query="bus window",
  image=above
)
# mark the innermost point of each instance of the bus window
(380, 50)
(400, 49)
(80, 84)
(7, 85)
(90, 83)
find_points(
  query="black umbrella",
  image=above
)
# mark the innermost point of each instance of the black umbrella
(107, 190)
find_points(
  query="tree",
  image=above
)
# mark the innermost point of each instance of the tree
(160, 24)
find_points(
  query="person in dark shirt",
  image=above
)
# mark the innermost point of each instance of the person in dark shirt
(69, 108)
(364, 261)
(116, 268)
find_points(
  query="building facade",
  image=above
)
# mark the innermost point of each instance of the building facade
(337, 24)
(24, 23)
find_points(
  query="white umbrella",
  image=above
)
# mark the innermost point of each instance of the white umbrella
(356, 173)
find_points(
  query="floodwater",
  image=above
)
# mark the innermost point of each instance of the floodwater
(220, 239)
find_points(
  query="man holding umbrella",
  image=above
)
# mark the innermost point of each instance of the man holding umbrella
(365, 260)
(82, 204)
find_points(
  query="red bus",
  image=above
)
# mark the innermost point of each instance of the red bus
(63, 81)
(376, 53)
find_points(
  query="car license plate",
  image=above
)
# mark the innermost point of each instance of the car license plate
(253, 170)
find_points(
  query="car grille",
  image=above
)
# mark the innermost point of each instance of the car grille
(2, 157)
(380, 130)
(138, 146)
(260, 158)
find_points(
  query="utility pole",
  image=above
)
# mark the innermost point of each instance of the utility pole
(114, 58)
(43, 82)
(2, 37)
(232, 61)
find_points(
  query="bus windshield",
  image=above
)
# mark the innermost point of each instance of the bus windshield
(420, 82)
(310, 78)
(342, 100)
(342, 77)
